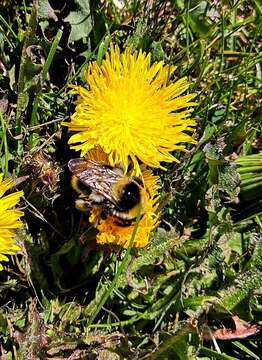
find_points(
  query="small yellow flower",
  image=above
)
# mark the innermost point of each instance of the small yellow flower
(132, 110)
(9, 219)
(110, 232)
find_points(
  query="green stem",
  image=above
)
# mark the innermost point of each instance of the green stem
(5, 144)
(120, 270)
(222, 41)
(187, 29)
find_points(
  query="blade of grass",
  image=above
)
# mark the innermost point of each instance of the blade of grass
(21, 94)
(44, 74)
(81, 67)
(246, 350)
(9, 27)
(222, 61)
(6, 37)
(5, 144)
(209, 352)
(120, 270)
(51, 53)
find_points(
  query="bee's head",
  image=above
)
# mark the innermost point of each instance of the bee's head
(130, 196)
(128, 191)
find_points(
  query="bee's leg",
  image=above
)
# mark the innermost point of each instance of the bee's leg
(104, 214)
(123, 223)
(82, 205)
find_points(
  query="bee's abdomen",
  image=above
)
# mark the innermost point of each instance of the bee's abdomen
(80, 187)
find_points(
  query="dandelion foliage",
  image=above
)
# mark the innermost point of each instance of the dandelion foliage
(194, 292)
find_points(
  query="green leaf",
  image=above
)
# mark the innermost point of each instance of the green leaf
(80, 21)
(176, 346)
(215, 355)
(70, 312)
(229, 180)
(45, 11)
(196, 301)
(245, 286)
(157, 51)
(246, 350)
(102, 50)
(235, 242)
(198, 19)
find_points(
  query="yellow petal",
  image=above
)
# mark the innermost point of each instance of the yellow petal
(132, 110)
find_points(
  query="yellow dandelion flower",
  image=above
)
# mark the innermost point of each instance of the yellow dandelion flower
(111, 232)
(9, 219)
(132, 110)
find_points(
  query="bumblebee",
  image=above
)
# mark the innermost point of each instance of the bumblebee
(107, 187)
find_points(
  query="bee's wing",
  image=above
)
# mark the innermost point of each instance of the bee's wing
(98, 177)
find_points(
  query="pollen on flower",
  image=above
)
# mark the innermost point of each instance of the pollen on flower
(111, 232)
(9, 219)
(132, 110)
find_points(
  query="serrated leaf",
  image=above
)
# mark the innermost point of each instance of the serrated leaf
(229, 180)
(214, 151)
(22, 100)
(235, 242)
(256, 260)
(161, 243)
(213, 203)
(245, 285)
